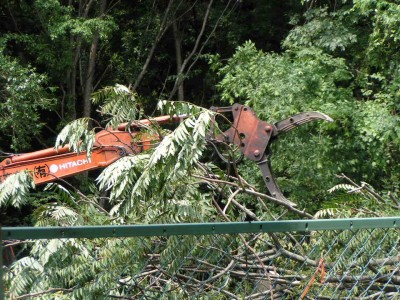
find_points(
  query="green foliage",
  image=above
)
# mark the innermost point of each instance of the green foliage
(157, 187)
(178, 108)
(351, 200)
(77, 135)
(60, 23)
(139, 26)
(119, 103)
(383, 40)
(310, 76)
(22, 98)
(342, 60)
(57, 206)
(14, 190)
(58, 19)
(330, 31)
(278, 86)
(53, 214)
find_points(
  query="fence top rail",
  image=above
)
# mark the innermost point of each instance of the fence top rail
(31, 233)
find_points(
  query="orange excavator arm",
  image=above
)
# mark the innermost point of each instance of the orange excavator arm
(110, 145)
(250, 134)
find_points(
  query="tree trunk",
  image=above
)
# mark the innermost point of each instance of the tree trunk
(180, 76)
(88, 85)
(178, 55)
(88, 89)
(163, 27)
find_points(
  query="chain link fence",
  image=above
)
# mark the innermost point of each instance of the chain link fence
(314, 259)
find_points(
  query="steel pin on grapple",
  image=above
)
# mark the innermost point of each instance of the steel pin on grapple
(253, 137)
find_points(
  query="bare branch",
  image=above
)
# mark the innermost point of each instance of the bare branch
(254, 193)
(53, 290)
(179, 78)
(163, 28)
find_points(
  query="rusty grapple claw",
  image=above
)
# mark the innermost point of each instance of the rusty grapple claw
(253, 136)
(300, 119)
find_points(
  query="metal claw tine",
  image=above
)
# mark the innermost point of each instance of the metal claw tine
(300, 119)
(295, 124)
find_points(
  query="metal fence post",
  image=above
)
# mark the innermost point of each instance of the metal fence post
(355, 258)
(1, 266)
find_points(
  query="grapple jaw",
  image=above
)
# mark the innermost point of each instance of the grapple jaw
(300, 119)
(254, 136)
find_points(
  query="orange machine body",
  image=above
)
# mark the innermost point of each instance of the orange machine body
(252, 136)
(50, 164)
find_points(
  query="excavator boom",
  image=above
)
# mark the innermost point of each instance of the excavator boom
(50, 164)
(250, 134)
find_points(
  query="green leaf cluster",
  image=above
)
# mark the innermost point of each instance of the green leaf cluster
(341, 59)
(332, 62)
(15, 189)
(118, 104)
(157, 186)
(23, 95)
(78, 136)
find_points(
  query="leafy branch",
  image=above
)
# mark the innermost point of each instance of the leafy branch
(15, 189)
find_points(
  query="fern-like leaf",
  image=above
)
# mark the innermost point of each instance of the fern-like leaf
(77, 135)
(342, 187)
(14, 190)
(178, 108)
(119, 104)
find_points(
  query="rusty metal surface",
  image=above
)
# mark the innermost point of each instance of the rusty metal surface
(300, 119)
(253, 137)
(49, 164)
(248, 132)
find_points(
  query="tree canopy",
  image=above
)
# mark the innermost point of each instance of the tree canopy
(68, 68)
(110, 61)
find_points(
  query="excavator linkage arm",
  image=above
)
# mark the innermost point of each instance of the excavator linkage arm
(50, 164)
(252, 135)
